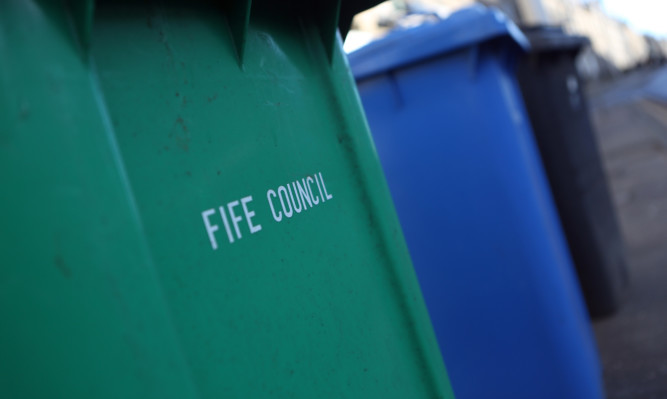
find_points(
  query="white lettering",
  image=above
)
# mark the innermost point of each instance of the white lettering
(279, 216)
(303, 193)
(235, 219)
(282, 192)
(329, 196)
(226, 223)
(318, 187)
(289, 188)
(295, 197)
(210, 229)
(309, 180)
(249, 215)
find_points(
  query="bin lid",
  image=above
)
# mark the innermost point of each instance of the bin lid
(545, 39)
(464, 28)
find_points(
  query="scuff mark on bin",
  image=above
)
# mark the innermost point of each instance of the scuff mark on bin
(59, 261)
(183, 140)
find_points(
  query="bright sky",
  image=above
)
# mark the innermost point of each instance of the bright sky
(647, 16)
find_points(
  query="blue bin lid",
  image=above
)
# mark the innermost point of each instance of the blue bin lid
(468, 27)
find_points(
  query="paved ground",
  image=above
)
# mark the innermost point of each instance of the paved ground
(630, 117)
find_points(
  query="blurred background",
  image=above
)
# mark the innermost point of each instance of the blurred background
(624, 77)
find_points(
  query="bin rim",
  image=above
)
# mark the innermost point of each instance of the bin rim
(467, 27)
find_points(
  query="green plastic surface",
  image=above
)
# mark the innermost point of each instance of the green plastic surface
(126, 133)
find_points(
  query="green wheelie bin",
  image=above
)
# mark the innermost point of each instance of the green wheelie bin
(193, 208)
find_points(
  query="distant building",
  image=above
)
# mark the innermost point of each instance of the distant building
(615, 47)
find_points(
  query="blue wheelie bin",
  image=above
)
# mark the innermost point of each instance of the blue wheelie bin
(457, 148)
